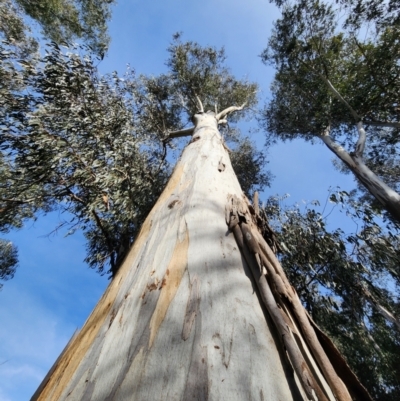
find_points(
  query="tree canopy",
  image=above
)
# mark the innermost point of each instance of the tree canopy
(348, 282)
(96, 147)
(61, 21)
(334, 75)
(337, 79)
(8, 260)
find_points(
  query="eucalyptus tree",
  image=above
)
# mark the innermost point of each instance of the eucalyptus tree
(348, 282)
(14, 31)
(200, 308)
(62, 21)
(337, 79)
(68, 143)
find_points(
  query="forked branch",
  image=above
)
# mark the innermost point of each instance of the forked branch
(229, 110)
(219, 117)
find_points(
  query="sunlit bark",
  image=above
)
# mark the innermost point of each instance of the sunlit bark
(182, 319)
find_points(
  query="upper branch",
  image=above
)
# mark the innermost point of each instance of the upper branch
(340, 98)
(336, 148)
(360, 145)
(388, 124)
(180, 133)
(334, 91)
(201, 107)
(229, 110)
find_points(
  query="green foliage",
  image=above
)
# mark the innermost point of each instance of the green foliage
(62, 21)
(95, 147)
(8, 260)
(344, 281)
(74, 146)
(307, 49)
(68, 20)
(382, 13)
(200, 71)
(249, 166)
(14, 31)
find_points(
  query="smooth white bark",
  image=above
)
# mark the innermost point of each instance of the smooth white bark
(389, 198)
(181, 320)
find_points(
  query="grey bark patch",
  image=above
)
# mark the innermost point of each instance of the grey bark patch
(113, 314)
(87, 396)
(140, 341)
(224, 347)
(88, 367)
(197, 382)
(197, 386)
(191, 308)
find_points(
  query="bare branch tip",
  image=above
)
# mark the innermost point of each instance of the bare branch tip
(201, 107)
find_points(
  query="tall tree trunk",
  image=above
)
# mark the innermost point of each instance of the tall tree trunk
(182, 319)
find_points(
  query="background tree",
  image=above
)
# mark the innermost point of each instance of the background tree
(61, 21)
(332, 80)
(348, 282)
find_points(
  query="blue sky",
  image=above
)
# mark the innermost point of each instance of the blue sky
(53, 291)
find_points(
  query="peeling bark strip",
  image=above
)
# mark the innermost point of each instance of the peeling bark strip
(300, 335)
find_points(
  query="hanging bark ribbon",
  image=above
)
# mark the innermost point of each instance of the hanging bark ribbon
(319, 366)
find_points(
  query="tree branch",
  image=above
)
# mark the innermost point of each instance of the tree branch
(340, 98)
(179, 133)
(388, 124)
(229, 110)
(381, 309)
(201, 107)
(108, 241)
(333, 90)
(388, 197)
(360, 145)
(338, 150)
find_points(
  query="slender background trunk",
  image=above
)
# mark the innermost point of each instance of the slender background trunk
(388, 198)
(181, 320)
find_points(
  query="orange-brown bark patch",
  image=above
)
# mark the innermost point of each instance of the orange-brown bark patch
(176, 268)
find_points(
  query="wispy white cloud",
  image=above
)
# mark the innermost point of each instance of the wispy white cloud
(31, 337)
(51, 295)
(4, 397)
